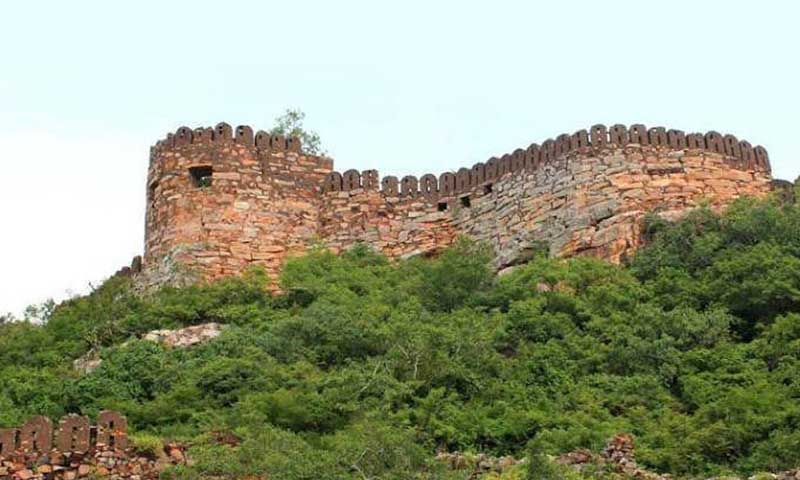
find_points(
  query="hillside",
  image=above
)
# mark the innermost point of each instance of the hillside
(366, 368)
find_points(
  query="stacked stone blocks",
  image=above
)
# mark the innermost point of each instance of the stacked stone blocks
(74, 450)
(221, 200)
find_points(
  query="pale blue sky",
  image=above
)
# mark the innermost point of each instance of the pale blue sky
(408, 87)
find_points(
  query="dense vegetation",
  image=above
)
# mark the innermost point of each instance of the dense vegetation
(364, 368)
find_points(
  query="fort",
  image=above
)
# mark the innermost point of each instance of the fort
(221, 199)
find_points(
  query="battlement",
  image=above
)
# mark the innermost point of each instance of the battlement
(737, 154)
(74, 434)
(224, 133)
(221, 199)
(75, 449)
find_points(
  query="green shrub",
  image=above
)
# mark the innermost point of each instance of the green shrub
(146, 444)
(366, 367)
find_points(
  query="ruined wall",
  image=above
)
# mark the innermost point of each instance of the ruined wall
(584, 193)
(73, 449)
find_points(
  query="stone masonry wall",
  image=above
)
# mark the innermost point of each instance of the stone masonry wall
(590, 202)
(219, 200)
(75, 449)
(258, 203)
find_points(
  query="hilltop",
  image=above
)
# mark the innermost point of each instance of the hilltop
(369, 368)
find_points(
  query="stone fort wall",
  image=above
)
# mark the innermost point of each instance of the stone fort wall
(220, 200)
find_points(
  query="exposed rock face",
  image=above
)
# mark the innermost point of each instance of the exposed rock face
(180, 338)
(87, 362)
(219, 201)
(186, 337)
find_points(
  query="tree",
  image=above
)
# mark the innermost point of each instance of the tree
(290, 124)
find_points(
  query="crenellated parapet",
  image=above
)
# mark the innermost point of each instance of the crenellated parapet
(223, 133)
(75, 449)
(737, 154)
(72, 434)
(220, 200)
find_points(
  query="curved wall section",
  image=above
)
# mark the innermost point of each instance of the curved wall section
(221, 199)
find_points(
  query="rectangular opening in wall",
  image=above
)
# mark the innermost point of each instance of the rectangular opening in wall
(112, 439)
(442, 206)
(465, 202)
(487, 189)
(201, 175)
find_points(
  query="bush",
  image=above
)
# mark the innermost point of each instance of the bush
(146, 445)
(365, 367)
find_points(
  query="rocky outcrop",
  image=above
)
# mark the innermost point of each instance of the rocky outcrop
(180, 338)
(186, 337)
(87, 362)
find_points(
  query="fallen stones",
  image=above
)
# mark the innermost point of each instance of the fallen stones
(102, 461)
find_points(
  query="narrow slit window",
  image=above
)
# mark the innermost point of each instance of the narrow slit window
(201, 176)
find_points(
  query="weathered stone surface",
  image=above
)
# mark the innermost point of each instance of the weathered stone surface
(87, 362)
(39, 462)
(186, 337)
(262, 204)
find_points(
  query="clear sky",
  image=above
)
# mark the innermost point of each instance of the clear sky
(404, 87)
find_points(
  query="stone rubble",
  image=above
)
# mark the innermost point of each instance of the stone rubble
(101, 461)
